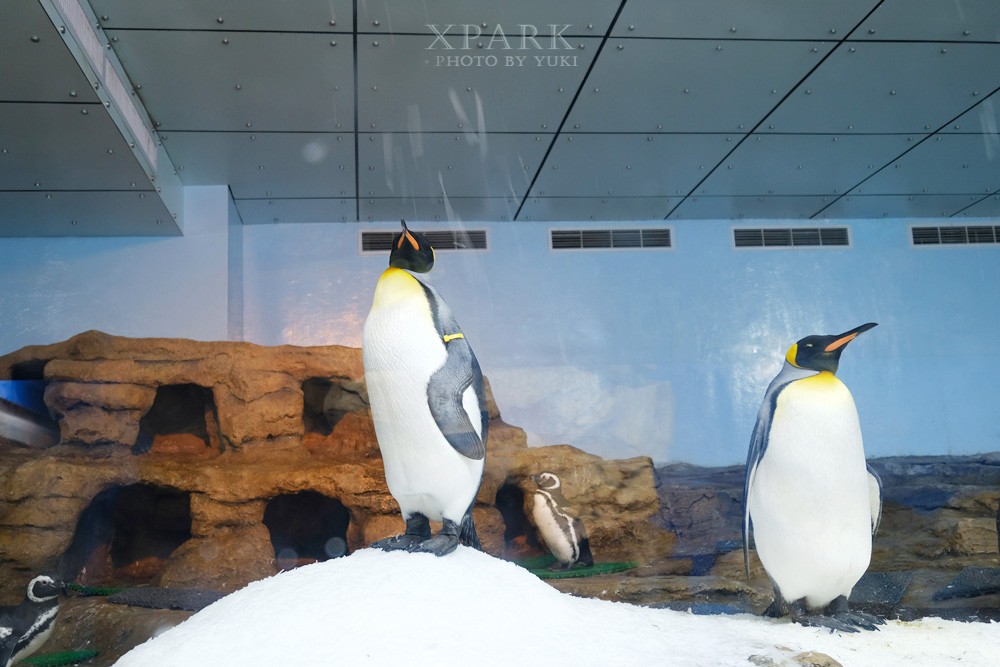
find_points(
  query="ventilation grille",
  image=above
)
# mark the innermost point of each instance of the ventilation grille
(771, 237)
(955, 235)
(586, 239)
(441, 240)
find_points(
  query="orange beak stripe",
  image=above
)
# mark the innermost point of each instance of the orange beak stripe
(413, 241)
(399, 245)
(840, 342)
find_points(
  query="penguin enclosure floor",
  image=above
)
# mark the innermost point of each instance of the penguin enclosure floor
(471, 607)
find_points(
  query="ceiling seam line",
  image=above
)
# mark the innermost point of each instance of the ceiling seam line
(788, 94)
(904, 153)
(569, 110)
(357, 87)
(978, 201)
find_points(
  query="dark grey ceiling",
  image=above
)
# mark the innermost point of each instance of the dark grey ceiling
(337, 110)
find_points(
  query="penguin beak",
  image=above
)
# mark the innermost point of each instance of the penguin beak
(846, 337)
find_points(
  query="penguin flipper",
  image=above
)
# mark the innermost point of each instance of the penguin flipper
(445, 391)
(875, 498)
(758, 443)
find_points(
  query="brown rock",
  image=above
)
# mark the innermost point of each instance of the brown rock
(224, 561)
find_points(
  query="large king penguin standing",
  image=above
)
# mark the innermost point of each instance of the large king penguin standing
(810, 497)
(428, 404)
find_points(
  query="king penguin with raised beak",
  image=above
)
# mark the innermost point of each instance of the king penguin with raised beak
(810, 499)
(428, 403)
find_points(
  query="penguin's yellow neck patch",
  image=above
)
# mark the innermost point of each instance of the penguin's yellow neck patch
(825, 378)
(395, 284)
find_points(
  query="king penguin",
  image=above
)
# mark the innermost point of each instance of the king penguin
(428, 404)
(25, 627)
(561, 531)
(809, 497)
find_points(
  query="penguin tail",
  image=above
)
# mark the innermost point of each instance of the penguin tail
(467, 532)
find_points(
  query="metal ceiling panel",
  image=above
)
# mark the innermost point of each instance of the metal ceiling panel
(453, 164)
(583, 17)
(64, 147)
(689, 86)
(944, 164)
(438, 208)
(271, 211)
(629, 165)
(408, 88)
(301, 16)
(796, 164)
(239, 81)
(890, 87)
(266, 164)
(559, 209)
(742, 19)
(934, 20)
(983, 118)
(36, 65)
(988, 207)
(896, 206)
(84, 214)
(749, 208)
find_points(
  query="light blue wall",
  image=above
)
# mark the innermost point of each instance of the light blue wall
(53, 288)
(668, 353)
(664, 353)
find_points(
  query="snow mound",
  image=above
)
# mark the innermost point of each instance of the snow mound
(470, 608)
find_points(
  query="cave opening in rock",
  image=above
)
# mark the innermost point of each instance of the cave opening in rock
(126, 535)
(306, 527)
(325, 403)
(519, 536)
(182, 422)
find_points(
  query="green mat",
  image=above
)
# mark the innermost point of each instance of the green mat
(538, 566)
(57, 659)
(93, 590)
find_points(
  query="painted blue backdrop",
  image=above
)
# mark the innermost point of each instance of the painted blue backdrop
(622, 353)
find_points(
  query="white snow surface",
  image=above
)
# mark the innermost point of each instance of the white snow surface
(468, 608)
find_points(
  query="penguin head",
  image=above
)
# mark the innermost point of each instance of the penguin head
(45, 587)
(546, 480)
(411, 251)
(822, 353)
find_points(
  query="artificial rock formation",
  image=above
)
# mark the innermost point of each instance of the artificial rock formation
(212, 464)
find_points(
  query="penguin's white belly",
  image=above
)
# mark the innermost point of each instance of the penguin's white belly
(38, 640)
(810, 502)
(424, 472)
(553, 530)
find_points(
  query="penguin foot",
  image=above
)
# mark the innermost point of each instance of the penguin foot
(397, 543)
(839, 610)
(439, 545)
(837, 616)
(418, 529)
(776, 609)
(821, 621)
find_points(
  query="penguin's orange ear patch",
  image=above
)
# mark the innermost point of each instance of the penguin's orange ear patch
(840, 342)
(792, 352)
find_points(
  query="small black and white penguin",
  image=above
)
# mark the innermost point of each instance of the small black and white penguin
(561, 531)
(809, 497)
(25, 627)
(428, 404)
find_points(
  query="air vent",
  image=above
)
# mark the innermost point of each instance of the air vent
(955, 235)
(774, 237)
(589, 239)
(474, 239)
